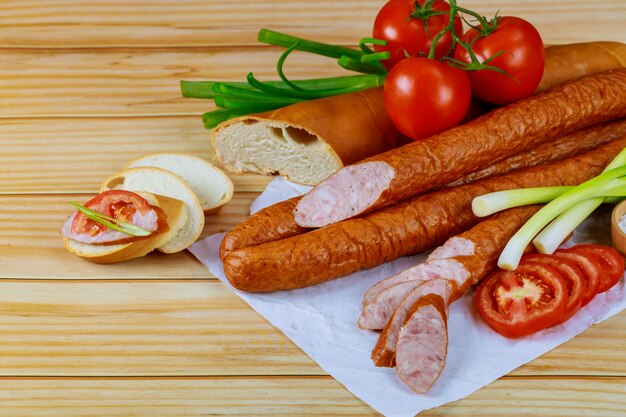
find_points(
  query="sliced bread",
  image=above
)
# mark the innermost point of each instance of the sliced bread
(211, 185)
(105, 254)
(162, 182)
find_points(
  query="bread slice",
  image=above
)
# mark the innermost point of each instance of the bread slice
(105, 254)
(308, 141)
(162, 182)
(211, 185)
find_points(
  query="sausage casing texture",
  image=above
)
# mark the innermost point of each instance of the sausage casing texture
(277, 222)
(407, 228)
(425, 165)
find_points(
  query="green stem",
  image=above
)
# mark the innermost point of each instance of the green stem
(352, 64)
(304, 45)
(449, 28)
(481, 19)
(215, 117)
(242, 103)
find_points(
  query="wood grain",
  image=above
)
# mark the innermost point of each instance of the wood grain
(159, 328)
(76, 155)
(293, 396)
(149, 23)
(31, 245)
(133, 82)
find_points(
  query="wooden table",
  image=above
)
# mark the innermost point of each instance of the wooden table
(87, 85)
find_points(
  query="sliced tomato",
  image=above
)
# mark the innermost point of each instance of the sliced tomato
(118, 204)
(574, 278)
(590, 267)
(521, 302)
(611, 263)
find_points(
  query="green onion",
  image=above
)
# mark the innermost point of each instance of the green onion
(549, 239)
(215, 117)
(318, 48)
(487, 204)
(111, 223)
(510, 257)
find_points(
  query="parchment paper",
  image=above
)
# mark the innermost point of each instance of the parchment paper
(321, 320)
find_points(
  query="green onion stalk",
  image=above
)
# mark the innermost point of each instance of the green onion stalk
(236, 99)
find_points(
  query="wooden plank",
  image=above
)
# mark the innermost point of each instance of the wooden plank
(293, 396)
(76, 155)
(148, 23)
(43, 83)
(31, 247)
(160, 328)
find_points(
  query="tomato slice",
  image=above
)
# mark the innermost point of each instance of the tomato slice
(521, 302)
(611, 263)
(574, 279)
(118, 204)
(590, 267)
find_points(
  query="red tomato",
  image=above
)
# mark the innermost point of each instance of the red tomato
(424, 97)
(574, 278)
(611, 263)
(412, 35)
(118, 204)
(590, 267)
(523, 60)
(522, 302)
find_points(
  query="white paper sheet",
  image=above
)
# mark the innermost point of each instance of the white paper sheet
(321, 320)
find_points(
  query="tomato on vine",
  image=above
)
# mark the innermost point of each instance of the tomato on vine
(424, 97)
(409, 26)
(511, 45)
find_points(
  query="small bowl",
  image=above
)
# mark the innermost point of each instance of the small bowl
(618, 237)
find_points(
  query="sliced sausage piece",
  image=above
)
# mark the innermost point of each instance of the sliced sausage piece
(384, 353)
(398, 174)
(377, 312)
(407, 228)
(423, 344)
(453, 247)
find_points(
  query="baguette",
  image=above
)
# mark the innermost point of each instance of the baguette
(566, 62)
(308, 141)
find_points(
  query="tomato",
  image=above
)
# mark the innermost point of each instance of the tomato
(118, 204)
(574, 279)
(406, 34)
(521, 302)
(523, 60)
(424, 97)
(590, 267)
(611, 263)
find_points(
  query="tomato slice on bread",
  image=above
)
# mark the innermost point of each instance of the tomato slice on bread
(118, 204)
(590, 267)
(610, 261)
(574, 279)
(521, 302)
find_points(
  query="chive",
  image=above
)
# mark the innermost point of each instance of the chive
(111, 223)
(228, 90)
(197, 89)
(307, 94)
(318, 48)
